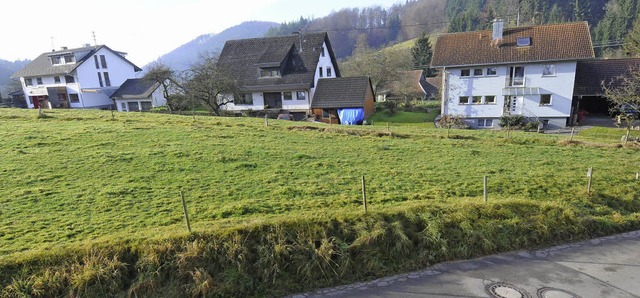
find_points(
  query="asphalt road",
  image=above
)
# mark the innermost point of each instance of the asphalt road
(604, 267)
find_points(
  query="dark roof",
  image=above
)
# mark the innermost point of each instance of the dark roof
(557, 42)
(590, 74)
(348, 92)
(432, 86)
(135, 88)
(243, 58)
(42, 66)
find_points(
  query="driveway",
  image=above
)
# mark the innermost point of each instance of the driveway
(604, 267)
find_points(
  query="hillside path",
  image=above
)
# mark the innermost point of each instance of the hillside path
(603, 267)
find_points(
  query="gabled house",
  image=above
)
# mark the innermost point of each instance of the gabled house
(527, 71)
(75, 78)
(278, 72)
(347, 100)
(136, 95)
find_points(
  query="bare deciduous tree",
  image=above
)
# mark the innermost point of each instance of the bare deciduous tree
(624, 94)
(210, 84)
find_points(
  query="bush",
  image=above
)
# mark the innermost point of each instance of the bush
(451, 121)
(512, 121)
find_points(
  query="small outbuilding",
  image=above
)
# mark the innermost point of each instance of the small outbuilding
(136, 95)
(346, 100)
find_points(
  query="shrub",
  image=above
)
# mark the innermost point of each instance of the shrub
(512, 121)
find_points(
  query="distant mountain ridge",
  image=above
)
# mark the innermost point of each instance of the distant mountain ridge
(7, 69)
(187, 54)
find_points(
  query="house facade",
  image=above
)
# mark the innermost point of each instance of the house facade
(138, 95)
(526, 71)
(75, 78)
(279, 73)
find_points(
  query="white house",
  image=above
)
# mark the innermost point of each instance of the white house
(75, 78)
(278, 72)
(136, 95)
(528, 71)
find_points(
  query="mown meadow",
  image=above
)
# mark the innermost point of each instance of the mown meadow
(91, 205)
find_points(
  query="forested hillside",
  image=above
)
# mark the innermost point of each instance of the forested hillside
(375, 26)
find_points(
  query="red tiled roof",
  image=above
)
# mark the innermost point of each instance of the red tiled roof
(591, 74)
(557, 42)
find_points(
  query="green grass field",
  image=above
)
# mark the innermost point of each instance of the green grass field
(80, 176)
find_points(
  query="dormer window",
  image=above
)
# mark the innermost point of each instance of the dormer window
(69, 59)
(524, 41)
(56, 60)
(270, 72)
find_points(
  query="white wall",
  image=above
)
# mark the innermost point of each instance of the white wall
(560, 86)
(323, 63)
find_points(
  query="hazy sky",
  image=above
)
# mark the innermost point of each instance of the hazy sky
(145, 29)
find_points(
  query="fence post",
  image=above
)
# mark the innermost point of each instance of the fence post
(626, 137)
(590, 175)
(486, 192)
(637, 176)
(266, 120)
(364, 195)
(573, 129)
(186, 215)
(388, 129)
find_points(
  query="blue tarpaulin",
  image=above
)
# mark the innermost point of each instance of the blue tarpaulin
(353, 116)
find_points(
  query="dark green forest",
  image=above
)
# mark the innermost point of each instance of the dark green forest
(375, 27)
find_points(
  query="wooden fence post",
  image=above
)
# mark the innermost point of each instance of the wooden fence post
(486, 192)
(364, 195)
(590, 175)
(186, 215)
(266, 120)
(573, 129)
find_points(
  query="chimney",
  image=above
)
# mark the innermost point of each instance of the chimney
(63, 48)
(86, 45)
(498, 27)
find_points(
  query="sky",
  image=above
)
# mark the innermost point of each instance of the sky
(145, 29)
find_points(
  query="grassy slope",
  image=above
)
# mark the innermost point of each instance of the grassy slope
(79, 175)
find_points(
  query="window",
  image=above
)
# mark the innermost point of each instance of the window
(328, 71)
(56, 60)
(321, 51)
(95, 59)
(56, 79)
(145, 105)
(28, 82)
(478, 72)
(464, 100)
(243, 99)
(107, 80)
(524, 41)
(545, 99)
(123, 106)
(301, 95)
(39, 81)
(485, 122)
(69, 59)
(100, 80)
(133, 106)
(492, 71)
(329, 114)
(548, 70)
(476, 100)
(465, 72)
(73, 97)
(270, 72)
(69, 79)
(287, 95)
(320, 70)
(490, 99)
(103, 61)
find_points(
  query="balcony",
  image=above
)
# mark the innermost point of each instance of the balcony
(519, 86)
